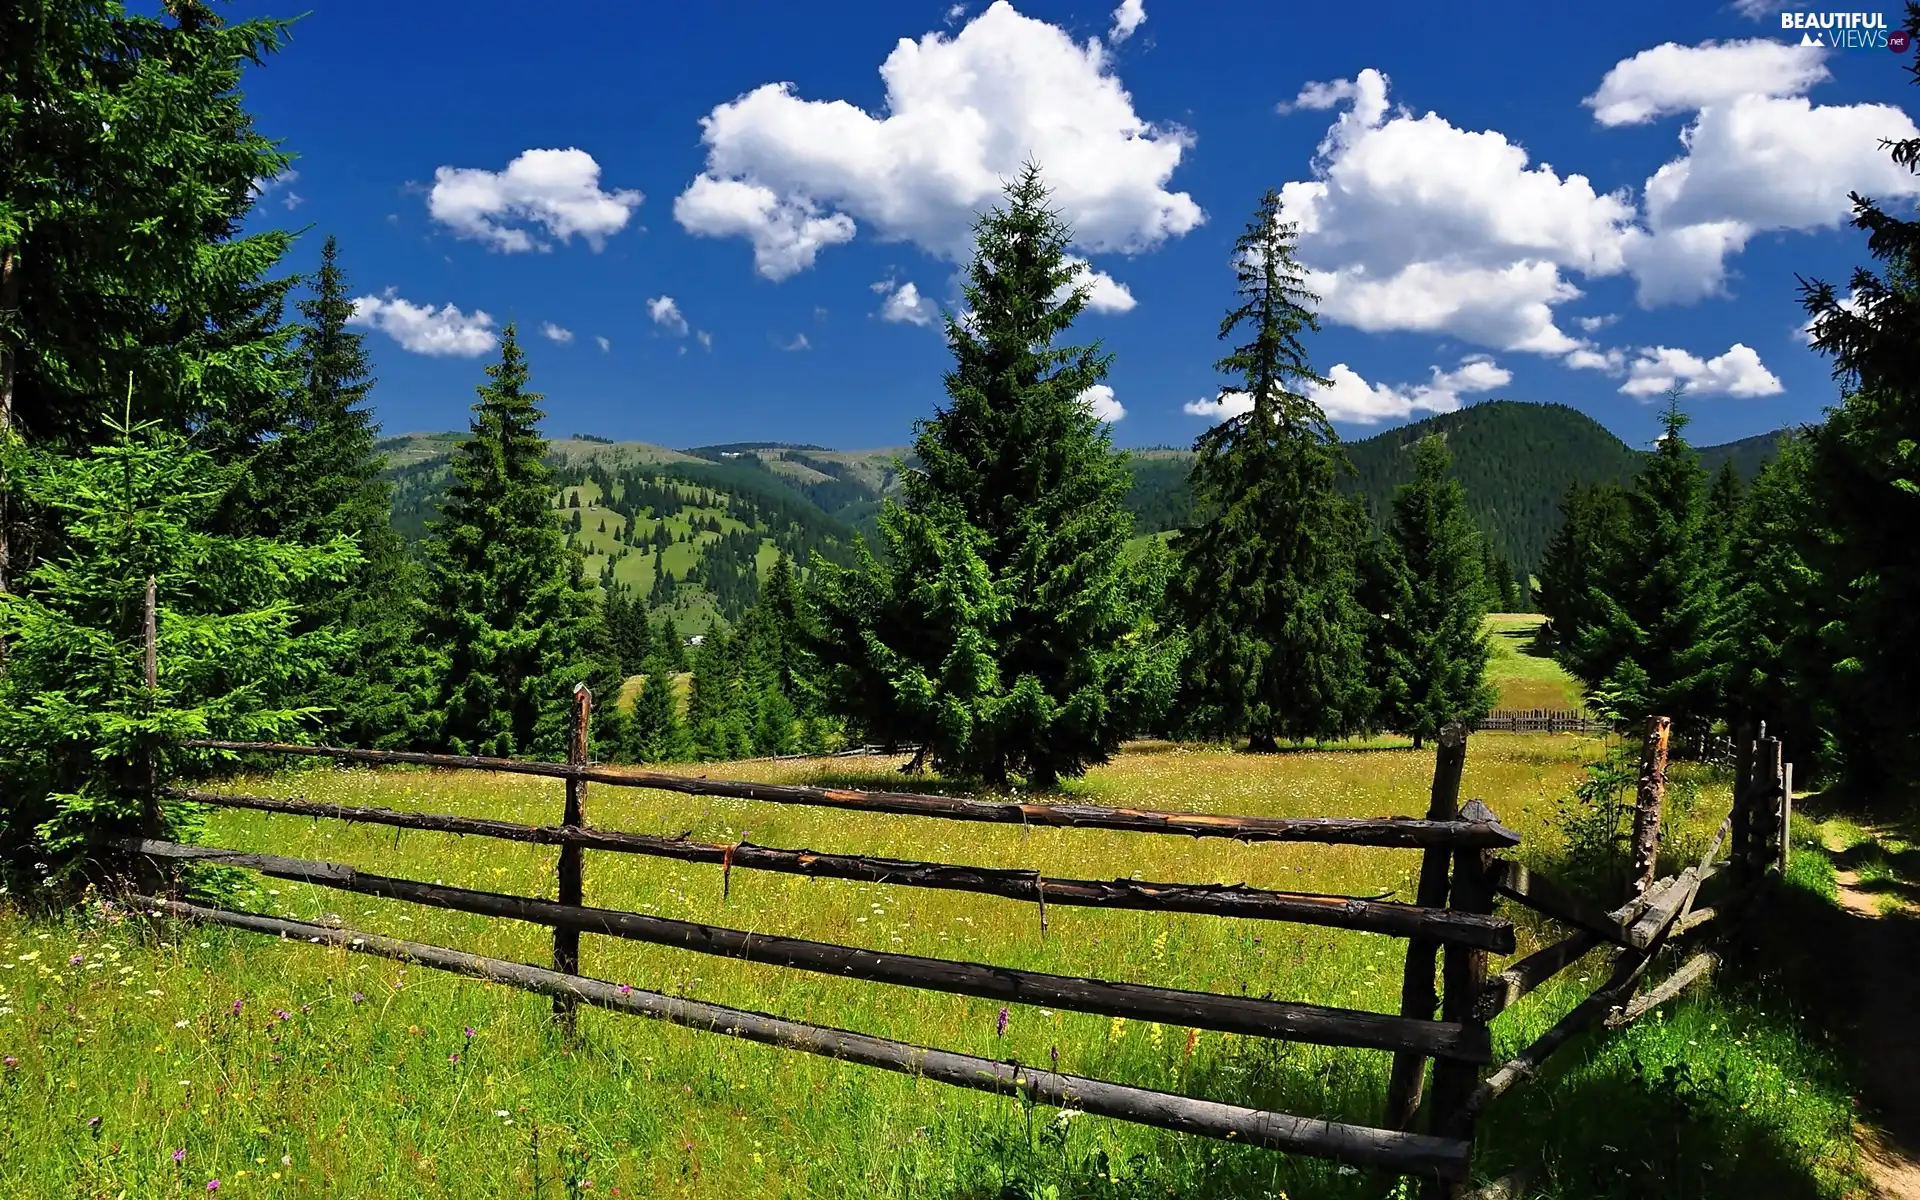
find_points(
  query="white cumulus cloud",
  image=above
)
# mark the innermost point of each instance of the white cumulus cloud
(1105, 294)
(1738, 372)
(905, 304)
(444, 332)
(1127, 18)
(1671, 78)
(556, 333)
(1411, 223)
(556, 190)
(1349, 397)
(962, 114)
(1099, 398)
(665, 312)
(604, 344)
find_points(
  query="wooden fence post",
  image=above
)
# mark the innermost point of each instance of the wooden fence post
(1466, 978)
(1649, 800)
(1746, 754)
(150, 661)
(1765, 817)
(1417, 998)
(1786, 818)
(572, 882)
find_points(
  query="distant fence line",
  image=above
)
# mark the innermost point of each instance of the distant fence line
(1541, 720)
(1452, 917)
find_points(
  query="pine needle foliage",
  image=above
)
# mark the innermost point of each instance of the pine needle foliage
(1267, 571)
(78, 722)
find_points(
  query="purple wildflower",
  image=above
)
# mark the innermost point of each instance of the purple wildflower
(357, 997)
(9, 1062)
(306, 1008)
(236, 1012)
(93, 1122)
(1000, 1025)
(180, 1155)
(277, 1057)
(281, 1014)
(213, 1185)
(469, 1032)
(454, 1057)
(77, 959)
(624, 989)
(1053, 1052)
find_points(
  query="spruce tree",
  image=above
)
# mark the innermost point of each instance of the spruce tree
(657, 734)
(128, 163)
(1267, 568)
(1593, 527)
(1435, 634)
(79, 722)
(1655, 644)
(1865, 473)
(312, 474)
(1001, 628)
(508, 614)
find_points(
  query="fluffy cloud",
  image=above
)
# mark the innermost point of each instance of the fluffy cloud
(905, 304)
(1126, 19)
(799, 342)
(1738, 372)
(1099, 398)
(704, 338)
(1348, 397)
(963, 113)
(557, 190)
(556, 333)
(445, 332)
(665, 312)
(603, 343)
(1105, 294)
(1410, 223)
(1672, 78)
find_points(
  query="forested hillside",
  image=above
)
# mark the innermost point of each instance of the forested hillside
(1515, 460)
(714, 511)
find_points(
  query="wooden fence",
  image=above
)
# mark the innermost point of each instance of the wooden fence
(1452, 916)
(1540, 720)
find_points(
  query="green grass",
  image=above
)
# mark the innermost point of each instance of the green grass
(355, 1091)
(1525, 677)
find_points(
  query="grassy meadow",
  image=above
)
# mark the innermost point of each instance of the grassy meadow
(151, 1060)
(1526, 676)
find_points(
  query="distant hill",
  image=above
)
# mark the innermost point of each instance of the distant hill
(715, 518)
(1514, 459)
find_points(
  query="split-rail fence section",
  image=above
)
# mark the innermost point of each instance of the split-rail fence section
(1445, 1011)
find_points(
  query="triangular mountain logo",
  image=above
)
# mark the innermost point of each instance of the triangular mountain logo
(1807, 39)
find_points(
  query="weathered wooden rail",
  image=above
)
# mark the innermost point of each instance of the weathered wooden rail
(1446, 1006)
(1540, 720)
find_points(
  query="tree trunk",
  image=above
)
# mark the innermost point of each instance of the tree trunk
(1419, 741)
(1261, 742)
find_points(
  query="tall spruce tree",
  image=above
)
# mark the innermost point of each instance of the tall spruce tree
(128, 162)
(656, 732)
(508, 615)
(1001, 628)
(1593, 527)
(1655, 644)
(1267, 569)
(1434, 637)
(312, 474)
(1865, 472)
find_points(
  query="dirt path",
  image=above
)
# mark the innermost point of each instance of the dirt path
(1879, 961)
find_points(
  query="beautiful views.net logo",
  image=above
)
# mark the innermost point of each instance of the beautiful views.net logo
(1846, 31)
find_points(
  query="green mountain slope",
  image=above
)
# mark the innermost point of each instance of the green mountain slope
(1514, 459)
(714, 518)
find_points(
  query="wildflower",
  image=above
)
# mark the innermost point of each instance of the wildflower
(9, 1062)
(357, 998)
(93, 1122)
(281, 1014)
(286, 1160)
(76, 960)
(1053, 1052)
(454, 1057)
(469, 1032)
(213, 1185)
(180, 1155)
(236, 1012)
(1000, 1024)
(624, 989)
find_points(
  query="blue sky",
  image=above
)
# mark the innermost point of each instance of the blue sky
(1514, 200)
